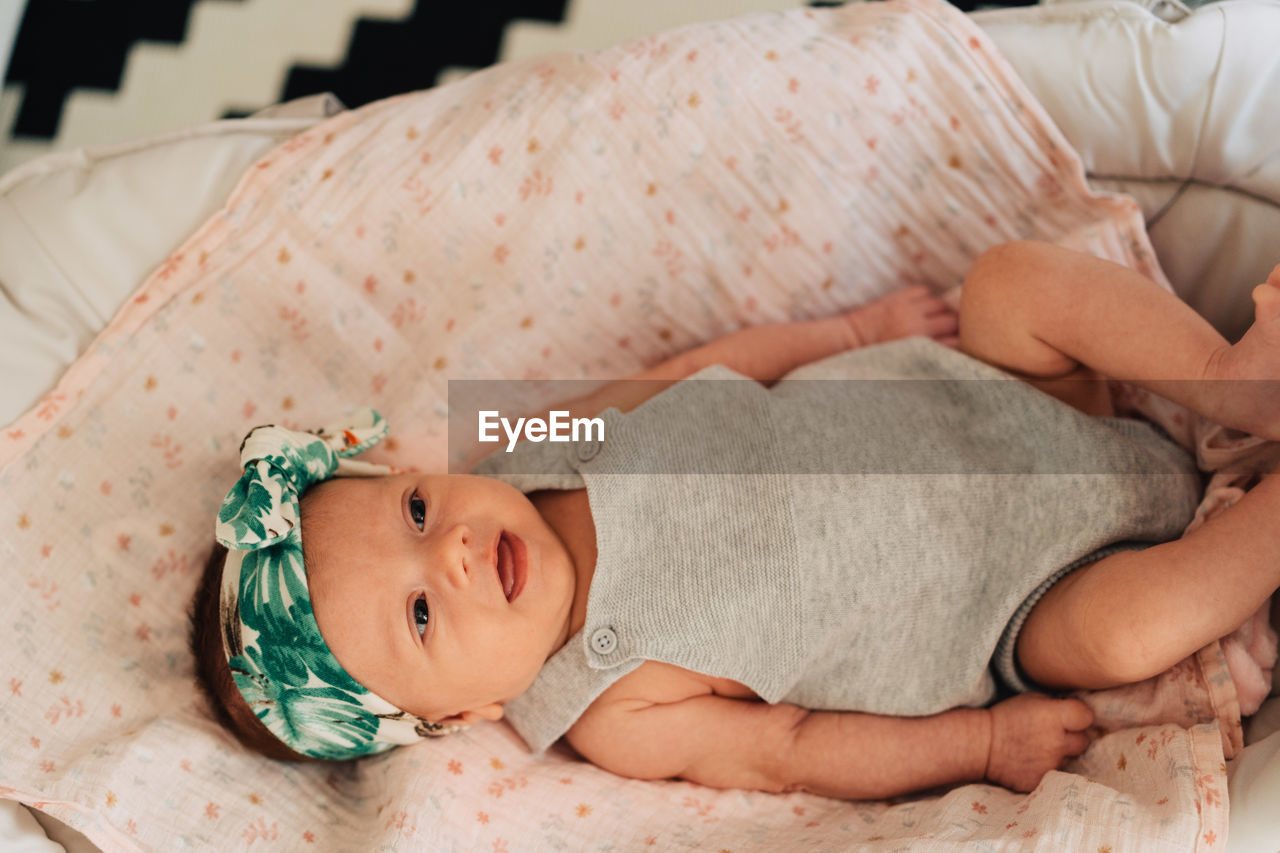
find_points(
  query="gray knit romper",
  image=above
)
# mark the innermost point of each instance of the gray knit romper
(867, 546)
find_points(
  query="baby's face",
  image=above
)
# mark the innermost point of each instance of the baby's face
(405, 581)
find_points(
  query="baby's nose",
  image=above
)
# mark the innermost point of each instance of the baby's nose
(459, 554)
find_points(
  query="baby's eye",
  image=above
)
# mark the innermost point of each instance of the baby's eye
(417, 509)
(421, 615)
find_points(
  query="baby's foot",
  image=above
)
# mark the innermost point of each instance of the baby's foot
(1254, 406)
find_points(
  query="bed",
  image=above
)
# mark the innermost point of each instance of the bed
(1172, 112)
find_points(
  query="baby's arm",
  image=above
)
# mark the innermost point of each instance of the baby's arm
(767, 353)
(733, 743)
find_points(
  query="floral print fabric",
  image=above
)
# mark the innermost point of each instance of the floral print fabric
(578, 216)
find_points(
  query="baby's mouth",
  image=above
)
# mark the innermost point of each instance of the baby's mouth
(512, 565)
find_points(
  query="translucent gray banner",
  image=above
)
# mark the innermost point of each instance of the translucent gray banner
(798, 426)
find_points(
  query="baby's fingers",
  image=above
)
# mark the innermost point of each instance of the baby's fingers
(1076, 716)
(1075, 743)
(923, 297)
(943, 325)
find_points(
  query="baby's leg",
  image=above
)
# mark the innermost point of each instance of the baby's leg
(1134, 614)
(1043, 311)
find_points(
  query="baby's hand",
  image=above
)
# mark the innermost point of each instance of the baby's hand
(1032, 734)
(910, 311)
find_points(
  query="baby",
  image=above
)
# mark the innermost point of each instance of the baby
(431, 602)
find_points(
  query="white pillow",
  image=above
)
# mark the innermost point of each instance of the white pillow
(80, 230)
(1253, 789)
(1182, 115)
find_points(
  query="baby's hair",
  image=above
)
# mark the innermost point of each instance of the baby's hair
(213, 675)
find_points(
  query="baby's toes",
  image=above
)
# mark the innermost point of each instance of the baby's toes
(1266, 301)
(1274, 278)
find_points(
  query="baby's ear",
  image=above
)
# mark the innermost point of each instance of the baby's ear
(492, 711)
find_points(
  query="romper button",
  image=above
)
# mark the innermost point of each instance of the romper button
(587, 450)
(604, 641)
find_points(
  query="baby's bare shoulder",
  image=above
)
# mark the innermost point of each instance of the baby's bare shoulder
(662, 721)
(652, 683)
(658, 683)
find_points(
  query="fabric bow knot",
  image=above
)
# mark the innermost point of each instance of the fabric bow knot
(279, 465)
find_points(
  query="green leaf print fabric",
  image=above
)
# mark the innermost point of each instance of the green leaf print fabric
(278, 658)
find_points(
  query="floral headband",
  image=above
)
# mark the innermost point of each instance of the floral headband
(281, 664)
